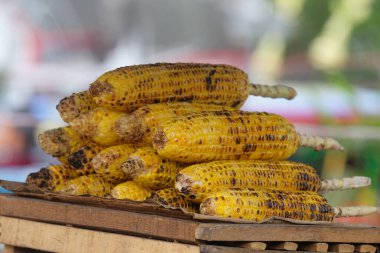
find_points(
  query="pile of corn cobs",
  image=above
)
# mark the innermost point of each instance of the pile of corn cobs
(174, 133)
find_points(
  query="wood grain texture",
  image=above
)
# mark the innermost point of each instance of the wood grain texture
(104, 219)
(288, 232)
(58, 238)
(315, 247)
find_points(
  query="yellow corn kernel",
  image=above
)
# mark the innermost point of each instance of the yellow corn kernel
(128, 88)
(98, 125)
(51, 178)
(170, 198)
(74, 105)
(88, 185)
(60, 142)
(226, 135)
(81, 158)
(130, 190)
(258, 205)
(147, 168)
(199, 180)
(139, 125)
(107, 163)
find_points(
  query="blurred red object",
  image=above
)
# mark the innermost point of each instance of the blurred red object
(370, 219)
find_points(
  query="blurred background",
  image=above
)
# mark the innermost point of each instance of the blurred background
(328, 50)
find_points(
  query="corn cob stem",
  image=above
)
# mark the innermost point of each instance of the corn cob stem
(344, 183)
(275, 91)
(354, 211)
(319, 143)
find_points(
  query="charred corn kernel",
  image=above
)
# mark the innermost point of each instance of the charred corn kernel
(60, 142)
(107, 163)
(128, 88)
(130, 190)
(74, 105)
(88, 185)
(199, 180)
(258, 205)
(226, 135)
(99, 125)
(147, 168)
(51, 178)
(170, 198)
(139, 125)
(81, 159)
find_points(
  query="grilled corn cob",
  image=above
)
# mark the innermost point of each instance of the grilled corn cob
(170, 198)
(258, 205)
(107, 163)
(74, 105)
(139, 125)
(128, 88)
(147, 168)
(227, 135)
(81, 159)
(130, 190)
(99, 126)
(51, 178)
(88, 185)
(199, 180)
(60, 142)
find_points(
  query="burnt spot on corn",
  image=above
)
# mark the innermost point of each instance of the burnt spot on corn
(77, 159)
(98, 88)
(159, 138)
(209, 78)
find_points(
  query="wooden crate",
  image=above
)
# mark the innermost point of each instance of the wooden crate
(50, 225)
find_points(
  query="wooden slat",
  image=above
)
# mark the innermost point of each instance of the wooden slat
(100, 218)
(365, 248)
(288, 232)
(58, 238)
(342, 247)
(315, 247)
(289, 246)
(254, 245)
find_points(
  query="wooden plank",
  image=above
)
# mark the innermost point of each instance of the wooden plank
(365, 248)
(104, 219)
(315, 247)
(289, 246)
(288, 232)
(58, 238)
(254, 245)
(225, 249)
(342, 247)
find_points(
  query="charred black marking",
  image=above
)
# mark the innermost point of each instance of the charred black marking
(247, 147)
(236, 103)
(209, 85)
